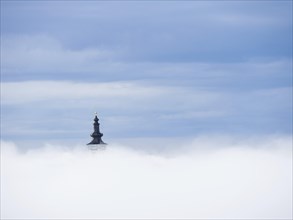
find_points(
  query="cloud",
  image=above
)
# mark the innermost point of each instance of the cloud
(213, 177)
(45, 107)
(47, 41)
(125, 95)
(39, 57)
(192, 115)
(33, 91)
(36, 53)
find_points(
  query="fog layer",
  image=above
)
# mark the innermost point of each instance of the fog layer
(250, 179)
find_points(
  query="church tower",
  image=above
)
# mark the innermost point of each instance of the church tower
(96, 135)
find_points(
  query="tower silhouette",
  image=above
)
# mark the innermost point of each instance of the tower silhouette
(96, 135)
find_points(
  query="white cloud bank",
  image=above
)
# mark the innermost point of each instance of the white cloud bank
(211, 178)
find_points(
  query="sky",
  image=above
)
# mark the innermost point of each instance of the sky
(194, 100)
(149, 69)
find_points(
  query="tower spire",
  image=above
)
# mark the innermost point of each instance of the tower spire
(96, 135)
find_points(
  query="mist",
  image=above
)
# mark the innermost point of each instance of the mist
(206, 178)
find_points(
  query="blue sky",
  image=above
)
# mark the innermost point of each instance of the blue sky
(150, 69)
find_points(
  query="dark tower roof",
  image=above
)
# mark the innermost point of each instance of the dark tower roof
(96, 135)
